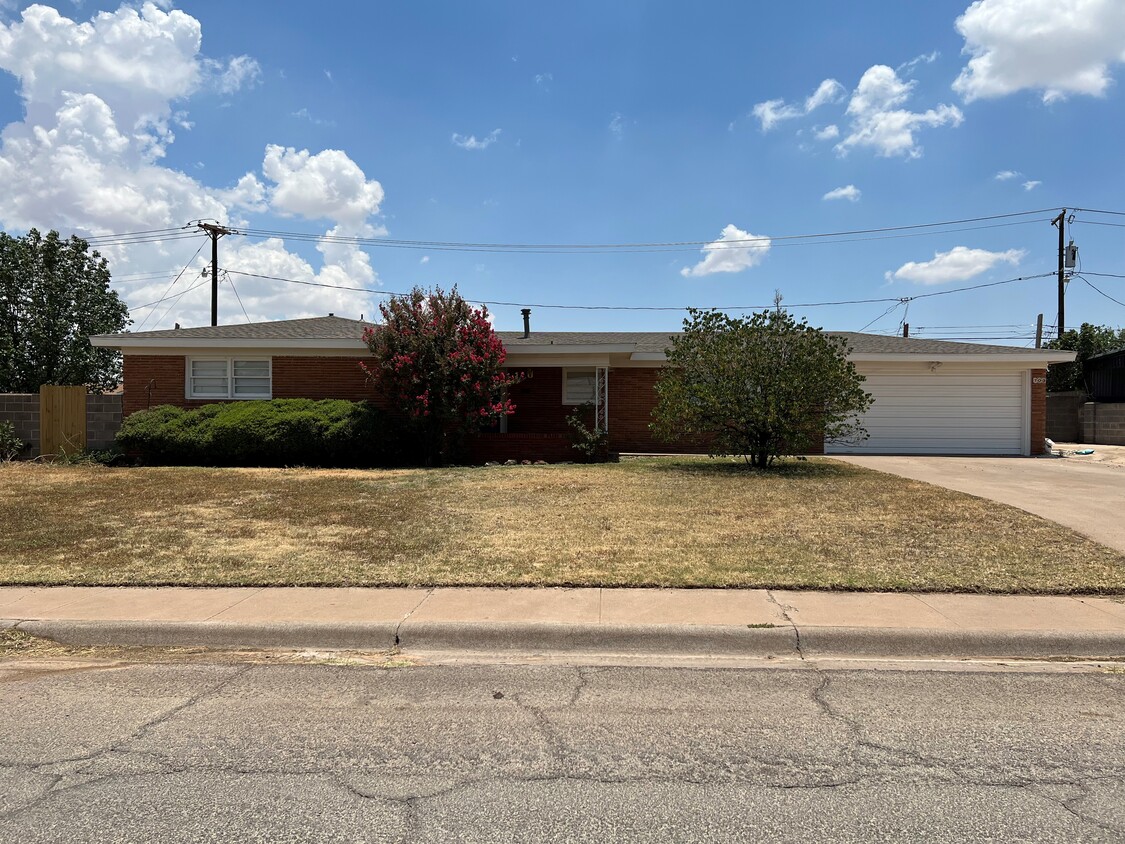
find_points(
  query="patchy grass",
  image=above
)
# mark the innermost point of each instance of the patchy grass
(659, 522)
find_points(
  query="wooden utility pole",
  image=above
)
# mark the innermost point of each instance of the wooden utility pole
(1060, 221)
(215, 231)
(1039, 332)
(906, 329)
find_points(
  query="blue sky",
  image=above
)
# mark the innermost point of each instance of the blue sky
(580, 123)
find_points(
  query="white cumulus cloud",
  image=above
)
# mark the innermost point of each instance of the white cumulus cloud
(772, 112)
(327, 185)
(879, 121)
(828, 133)
(1032, 184)
(1005, 175)
(101, 100)
(734, 251)
(1056, 48)
(471, 142)
(958, 264)
(849, 192)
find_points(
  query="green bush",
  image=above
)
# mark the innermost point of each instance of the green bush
(590, 441)
(10, 444)
(282, 432)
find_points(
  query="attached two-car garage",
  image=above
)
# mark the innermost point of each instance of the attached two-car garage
(946, 410)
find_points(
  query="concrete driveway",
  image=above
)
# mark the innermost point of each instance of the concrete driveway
(1086, 497)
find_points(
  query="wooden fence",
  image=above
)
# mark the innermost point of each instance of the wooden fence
(62, 419)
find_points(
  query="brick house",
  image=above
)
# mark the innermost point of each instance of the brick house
(931, 397)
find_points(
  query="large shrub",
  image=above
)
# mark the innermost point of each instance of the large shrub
(282, 432)
(437, 359)
(759, 387)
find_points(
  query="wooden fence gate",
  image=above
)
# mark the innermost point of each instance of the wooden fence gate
(62, 419)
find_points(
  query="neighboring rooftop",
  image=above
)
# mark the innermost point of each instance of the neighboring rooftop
(337, 328)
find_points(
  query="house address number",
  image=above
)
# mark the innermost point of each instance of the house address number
(1038, 379)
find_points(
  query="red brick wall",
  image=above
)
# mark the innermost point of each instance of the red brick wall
(1038, 409)
(321, 378)
(554, 448)
(293, 377)
(538, 401)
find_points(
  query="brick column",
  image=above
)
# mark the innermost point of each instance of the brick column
(1038, 410)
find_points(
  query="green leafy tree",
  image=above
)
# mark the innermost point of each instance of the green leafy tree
(759, 387)
(1089, 340)
(54, 293)
(437, 359)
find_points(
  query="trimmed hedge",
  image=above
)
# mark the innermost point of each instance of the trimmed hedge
(281, 432)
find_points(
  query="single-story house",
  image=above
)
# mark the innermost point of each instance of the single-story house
(931, 397)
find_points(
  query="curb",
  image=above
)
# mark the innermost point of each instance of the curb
(959, 644)
(219, 634)
(558, 638)
(647, 639)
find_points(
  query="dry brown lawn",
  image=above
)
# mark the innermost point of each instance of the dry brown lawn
(658, 522)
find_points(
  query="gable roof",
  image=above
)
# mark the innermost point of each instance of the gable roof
(339, 332)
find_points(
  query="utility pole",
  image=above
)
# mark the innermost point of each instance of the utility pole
(215, 231)
(1039, 332)
(906, 329)
(1060, 221)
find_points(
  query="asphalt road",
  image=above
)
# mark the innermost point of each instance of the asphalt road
(184, 752)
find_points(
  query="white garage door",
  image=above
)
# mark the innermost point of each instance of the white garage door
(933, 413)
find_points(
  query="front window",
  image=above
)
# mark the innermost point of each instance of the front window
(579, 386)
(229, 378)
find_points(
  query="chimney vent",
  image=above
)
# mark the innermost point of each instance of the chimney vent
(526, 322)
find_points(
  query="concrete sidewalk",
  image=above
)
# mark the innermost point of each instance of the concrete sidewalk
(674, 622)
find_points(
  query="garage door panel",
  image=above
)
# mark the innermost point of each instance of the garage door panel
(930, 413)
(938, 406)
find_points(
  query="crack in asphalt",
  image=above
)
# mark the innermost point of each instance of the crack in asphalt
(117, 746)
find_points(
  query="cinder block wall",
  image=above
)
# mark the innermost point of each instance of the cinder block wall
(22, 410)
(1064, 416)
(1103, 424)
(103, 419)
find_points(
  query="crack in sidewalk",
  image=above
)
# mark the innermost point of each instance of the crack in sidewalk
(398, 627)
(784, 610)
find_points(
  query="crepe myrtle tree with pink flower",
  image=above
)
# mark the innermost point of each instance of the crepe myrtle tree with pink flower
(437, 360)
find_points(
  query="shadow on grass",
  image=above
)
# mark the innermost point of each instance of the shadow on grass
(789, 468)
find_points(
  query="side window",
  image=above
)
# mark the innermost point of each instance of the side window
(208, 379)
(229, 378)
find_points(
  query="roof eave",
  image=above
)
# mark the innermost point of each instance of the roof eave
(118, 341)
(1029, 358)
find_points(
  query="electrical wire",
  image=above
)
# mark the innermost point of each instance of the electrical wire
(1102, 292)
(173, 284)
(885, 313)
(178, 298)
(763, 242)
(226, 277)
(896, 299)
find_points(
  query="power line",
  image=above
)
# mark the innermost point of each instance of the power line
(170, 286)
(1102, 292)
(763, 242)
(896, 299)
(226, 275)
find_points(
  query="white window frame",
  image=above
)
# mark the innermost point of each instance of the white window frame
(229, 360)
(593, 372)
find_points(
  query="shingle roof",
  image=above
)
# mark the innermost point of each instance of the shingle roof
(658, 341)
(312, 328)
(338, 328)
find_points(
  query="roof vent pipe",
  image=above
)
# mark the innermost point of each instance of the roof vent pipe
(526, 322)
